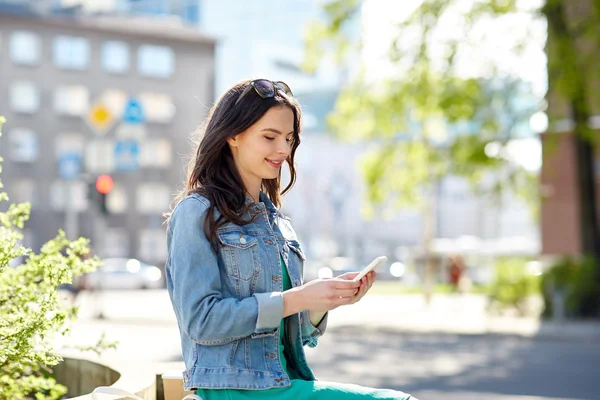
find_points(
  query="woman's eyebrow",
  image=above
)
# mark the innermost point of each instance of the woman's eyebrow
(274, 131)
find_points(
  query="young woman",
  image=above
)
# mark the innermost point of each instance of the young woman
(234, 269)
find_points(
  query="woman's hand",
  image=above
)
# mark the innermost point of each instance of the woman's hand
(365, 283)
(321, 295)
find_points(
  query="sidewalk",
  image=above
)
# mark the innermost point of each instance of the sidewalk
(465, 314)
(459, 314)
(463, 353)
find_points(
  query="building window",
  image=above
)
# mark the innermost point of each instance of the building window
(116, 201)
(24, 191)
(73, 195)
(156, 61)
(115, 57)
(153, 198)
(70, 143)
(99, 156)
(116, 243)
(157, 107)
(156, 153)
(23, 145)
(114, 100)
(153, 245)
(25, 48)
(24, 97)
(72, 100)
(71, 52)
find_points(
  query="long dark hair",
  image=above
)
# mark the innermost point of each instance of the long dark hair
(212, 172)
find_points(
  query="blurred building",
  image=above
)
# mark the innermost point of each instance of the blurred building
(186, 11)
(108, 95)
(265, 38)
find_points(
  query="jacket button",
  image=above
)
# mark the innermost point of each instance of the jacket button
(242, 240)
(276, 278)
(268, 241)
(279, 380)
(271, 355)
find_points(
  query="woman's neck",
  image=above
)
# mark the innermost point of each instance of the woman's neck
(254, 196)
(252, 184)
(253, 191)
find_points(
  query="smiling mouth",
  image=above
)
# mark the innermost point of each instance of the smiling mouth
(275, 164)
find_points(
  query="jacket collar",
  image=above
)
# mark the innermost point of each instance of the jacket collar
(266, 204)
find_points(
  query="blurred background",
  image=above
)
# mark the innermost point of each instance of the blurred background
(457, 138)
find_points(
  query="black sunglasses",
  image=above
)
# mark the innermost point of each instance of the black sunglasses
(265, 89)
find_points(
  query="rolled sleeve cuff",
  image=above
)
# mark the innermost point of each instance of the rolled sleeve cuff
(322, 326)
(312, 333)
(270, 311)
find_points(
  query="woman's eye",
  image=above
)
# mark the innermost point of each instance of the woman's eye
(269, 138)
(290, 139)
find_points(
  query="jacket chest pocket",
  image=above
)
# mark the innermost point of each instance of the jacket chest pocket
(240, 254)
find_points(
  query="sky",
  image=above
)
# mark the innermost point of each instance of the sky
(495, 40)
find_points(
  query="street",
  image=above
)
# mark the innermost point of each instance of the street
(430, 365)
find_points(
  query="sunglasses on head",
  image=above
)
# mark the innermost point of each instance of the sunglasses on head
(265, 89)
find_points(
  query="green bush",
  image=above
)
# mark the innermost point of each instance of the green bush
(576, 277)
(31, 310)
(512, 285)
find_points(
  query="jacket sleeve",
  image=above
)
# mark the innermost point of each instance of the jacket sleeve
(194, 285)
(310, 333)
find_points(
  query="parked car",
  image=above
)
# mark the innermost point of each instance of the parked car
(124, 273)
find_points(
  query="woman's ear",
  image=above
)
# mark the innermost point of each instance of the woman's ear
(232, 141)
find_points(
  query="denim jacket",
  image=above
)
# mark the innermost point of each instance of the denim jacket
(229, 303)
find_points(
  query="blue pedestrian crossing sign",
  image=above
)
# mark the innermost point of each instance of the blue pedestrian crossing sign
(127, 155)
(69, 166)
(133, 113)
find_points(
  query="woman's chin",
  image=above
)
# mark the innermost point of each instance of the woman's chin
(272, 175)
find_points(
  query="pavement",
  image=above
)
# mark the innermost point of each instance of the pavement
(450, 349)
(460, 314)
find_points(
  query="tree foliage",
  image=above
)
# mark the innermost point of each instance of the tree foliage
(32, 312)
(427, 117)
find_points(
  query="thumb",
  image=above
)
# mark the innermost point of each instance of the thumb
(348, 275)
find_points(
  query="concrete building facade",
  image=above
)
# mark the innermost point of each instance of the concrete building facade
(84, 97)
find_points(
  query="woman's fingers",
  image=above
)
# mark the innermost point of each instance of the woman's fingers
(343, 284)
(345, 293)
(341, 301)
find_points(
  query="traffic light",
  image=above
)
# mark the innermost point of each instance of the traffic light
(99, 191)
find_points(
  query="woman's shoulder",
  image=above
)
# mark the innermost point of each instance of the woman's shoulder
(192, 204)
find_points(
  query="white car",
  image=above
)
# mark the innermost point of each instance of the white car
(124, 273)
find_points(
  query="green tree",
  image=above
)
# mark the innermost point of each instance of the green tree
(31, 310)
(428, 119)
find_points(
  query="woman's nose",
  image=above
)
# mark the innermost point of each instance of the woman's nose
(285, 148)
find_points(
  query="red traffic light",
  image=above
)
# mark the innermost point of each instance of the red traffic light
(104, 184)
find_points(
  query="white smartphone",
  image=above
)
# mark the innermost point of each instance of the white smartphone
(374, 264)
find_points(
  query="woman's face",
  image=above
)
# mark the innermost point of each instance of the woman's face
(259, 152)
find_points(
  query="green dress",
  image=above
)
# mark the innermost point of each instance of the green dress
(299, 388)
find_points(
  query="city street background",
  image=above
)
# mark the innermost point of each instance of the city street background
(452, 137)
(450, 350)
